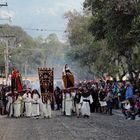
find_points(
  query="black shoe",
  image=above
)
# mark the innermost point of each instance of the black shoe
(111, 114)
(84, 116)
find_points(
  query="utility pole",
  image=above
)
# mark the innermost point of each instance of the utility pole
(6, 55)
(6, 50)
(6, 58)
(6, 61)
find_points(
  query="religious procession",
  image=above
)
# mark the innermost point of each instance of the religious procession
(75, 99)
(70, 70)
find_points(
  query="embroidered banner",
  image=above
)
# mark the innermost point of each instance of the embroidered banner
(46, 78)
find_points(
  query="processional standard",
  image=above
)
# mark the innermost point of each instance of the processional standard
(46, 78)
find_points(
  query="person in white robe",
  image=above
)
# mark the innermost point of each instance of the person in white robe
(86, 100)
(9, 106)
(47, 98)
(73, 93)
(41, 107)
(28, 103)
(22, 108)
(67, 103)
(35, 103)
(17, 105)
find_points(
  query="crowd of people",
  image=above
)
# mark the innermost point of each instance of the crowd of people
(102, 97)
(85, 98)
(26, 103)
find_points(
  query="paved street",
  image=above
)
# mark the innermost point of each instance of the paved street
(97, 127)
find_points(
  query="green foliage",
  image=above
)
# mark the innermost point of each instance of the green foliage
(54, 50)
(88, 54)
(28, 53)
(81, 52)
(77, 26)
(108, 41)
(118, 23)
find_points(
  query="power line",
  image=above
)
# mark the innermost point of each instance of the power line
(38, 29)
(43, 30)
(34, 29)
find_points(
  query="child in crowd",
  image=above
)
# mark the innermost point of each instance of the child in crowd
(128, 110)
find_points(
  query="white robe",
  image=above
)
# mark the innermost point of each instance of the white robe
(35, 105)
(28, 104)
(85, 109)
(9, 106)
(17, 107)
(67, 104)
(47, 109)
(73, 104)
(41, 107)
(78, 106)
(22, 108)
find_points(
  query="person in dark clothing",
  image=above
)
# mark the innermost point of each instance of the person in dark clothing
(121, 95)
(109, 100)
(77, 102)
(1, 104)
(58, 97)
(95, 105)
(103, 104)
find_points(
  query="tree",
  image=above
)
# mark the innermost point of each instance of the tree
(28, 53)
(21, 47)
(118, 23)
(53, 52)
(86, 51)
(81, 51)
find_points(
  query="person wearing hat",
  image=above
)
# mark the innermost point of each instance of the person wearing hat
(17, 105)
(28, 103)
(35, 103)
(9, 106)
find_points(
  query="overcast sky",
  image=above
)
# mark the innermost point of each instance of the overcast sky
(39, 14)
